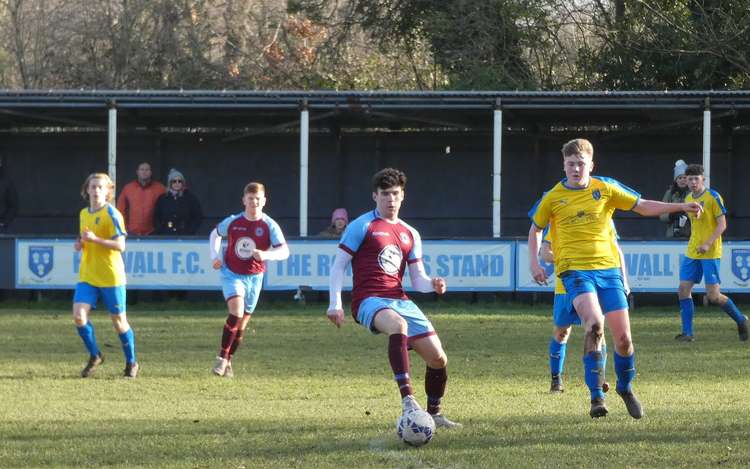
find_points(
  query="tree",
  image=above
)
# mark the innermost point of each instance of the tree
(667, 44)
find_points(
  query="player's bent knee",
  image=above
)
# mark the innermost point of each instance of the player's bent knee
(561, 335)
(716, 298)
(623, 341)
(441, 361)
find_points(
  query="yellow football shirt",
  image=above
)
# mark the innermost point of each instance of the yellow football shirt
(580, 222)
(100, 266)
(702, 228)
(547, 238)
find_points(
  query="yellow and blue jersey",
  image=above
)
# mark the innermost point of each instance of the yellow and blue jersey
(101, 266)
(702, 228)
(580, 222)
(547, 238)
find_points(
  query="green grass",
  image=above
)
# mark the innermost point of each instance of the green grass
(308, 395)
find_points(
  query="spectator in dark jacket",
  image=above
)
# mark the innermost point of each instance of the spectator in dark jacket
(8, 199)
(677, 223)
(178, 211)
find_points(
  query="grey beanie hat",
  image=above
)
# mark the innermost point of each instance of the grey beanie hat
(174, 174)
(679, 169)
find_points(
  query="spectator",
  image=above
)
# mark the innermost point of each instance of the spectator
(677, 223)
(339, 220)
(178, 211)
(8, 199)
(137, 201)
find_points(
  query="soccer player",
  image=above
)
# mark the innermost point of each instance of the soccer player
(564, 315)
(380, 245)
(579, 211)
(703, 255)
(102, 272)
(252, 238)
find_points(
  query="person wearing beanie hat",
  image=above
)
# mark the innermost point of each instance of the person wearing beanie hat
(339, 220)
(679, 169)
(678, 225)
(178, 211)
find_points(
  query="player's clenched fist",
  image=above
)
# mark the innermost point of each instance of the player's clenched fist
(216, 264)
(539, 275)
(694, 207)
(439, 285)
(336, 316)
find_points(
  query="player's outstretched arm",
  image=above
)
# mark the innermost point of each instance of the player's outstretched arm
(652, 208)
(335, 311)
(537, 272)
(424, 284)
(214, 247)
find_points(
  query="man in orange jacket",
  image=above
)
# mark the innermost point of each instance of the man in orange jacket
(137, 201)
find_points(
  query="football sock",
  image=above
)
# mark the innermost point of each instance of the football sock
(625, 369)
(593, 364)
(229, 335)
(237, 342)
(398, 356)
(731, 309)
(686, 313)
(128, 345)
(89, 338)
(556, 357)
(434, 386)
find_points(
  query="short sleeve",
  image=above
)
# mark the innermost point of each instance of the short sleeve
(415, 253)
(354, 235)
(540, 213)
(223, 227)
(277, 236)
(118, 224)
(717, 207)
(621, 196)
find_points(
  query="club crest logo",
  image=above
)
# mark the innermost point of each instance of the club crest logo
(259, 231)
(244, 247)
(404, 238)
(596, 194)
(41, 260)
(741, 264)
(389, 259)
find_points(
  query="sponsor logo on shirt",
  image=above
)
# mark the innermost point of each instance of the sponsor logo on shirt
(380, 233)
(389, 259)
(244, 247)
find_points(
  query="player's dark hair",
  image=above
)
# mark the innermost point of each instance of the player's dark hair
(254, 188)
(387, 178)
(694, 170)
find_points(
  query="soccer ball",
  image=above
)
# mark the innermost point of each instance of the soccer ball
(415, 427)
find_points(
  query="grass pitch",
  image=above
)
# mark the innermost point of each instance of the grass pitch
(308, 395)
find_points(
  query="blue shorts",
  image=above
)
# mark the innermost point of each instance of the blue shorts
(247, 287)
(694, 270)
(563, 312)
(606, 283)
(112, 297)
(418, 325)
